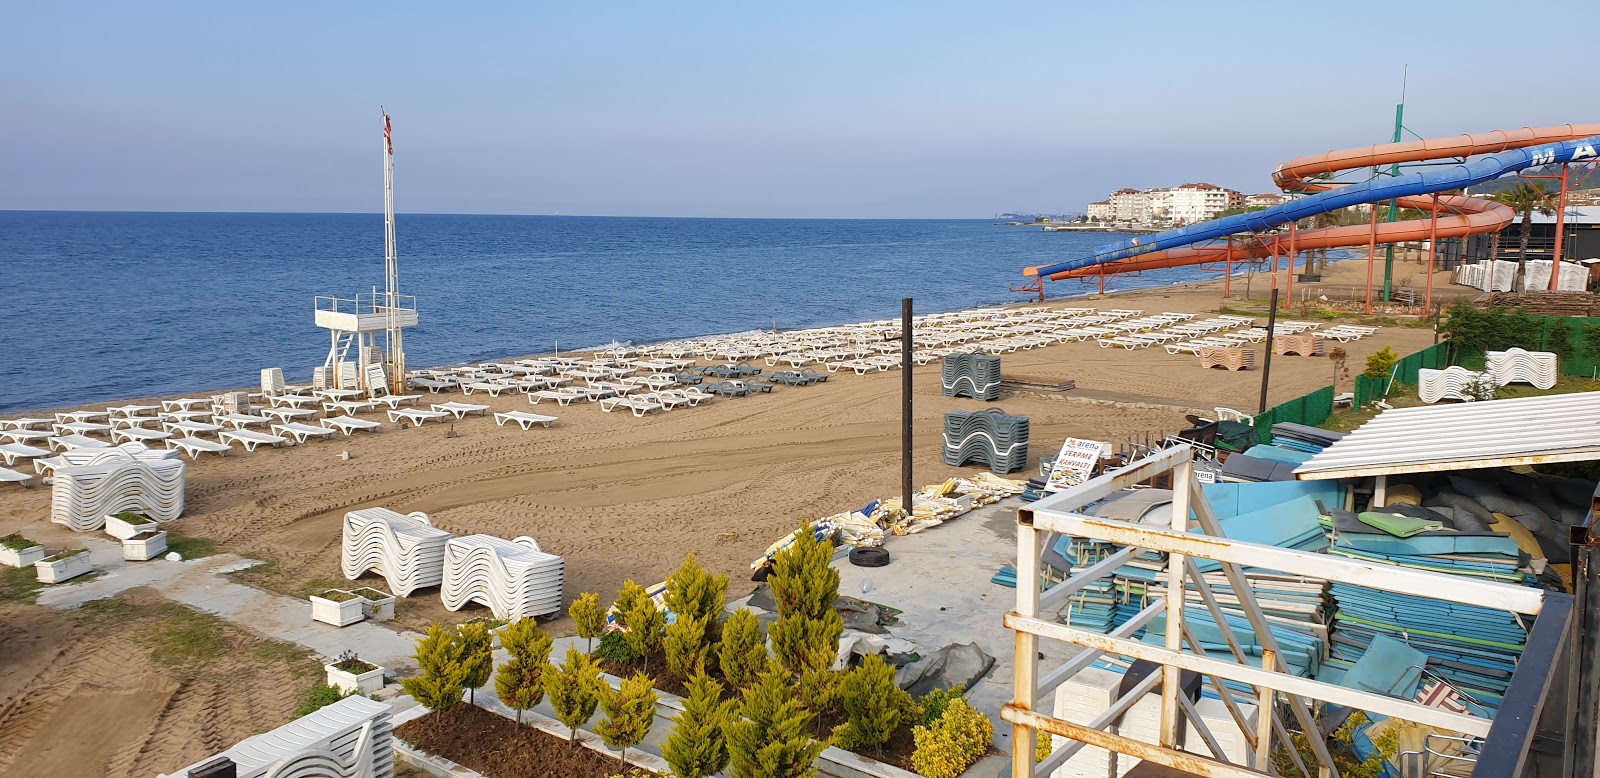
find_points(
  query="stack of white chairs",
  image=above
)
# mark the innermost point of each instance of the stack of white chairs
(407, 550)
(93, 456)
(352, 738)
(512, 577)
(83, 496)
(1453, 383)
(272, 381)
(1516, 365)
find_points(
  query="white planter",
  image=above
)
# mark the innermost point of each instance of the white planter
(23, 558)
(339, 614)
(144, 546)
(64, 569)
(368, 682)
(122, 530)
(379, 606)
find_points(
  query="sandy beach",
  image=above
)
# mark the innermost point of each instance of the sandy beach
(619, 497)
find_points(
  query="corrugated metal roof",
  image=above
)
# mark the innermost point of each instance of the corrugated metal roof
(1495, 433)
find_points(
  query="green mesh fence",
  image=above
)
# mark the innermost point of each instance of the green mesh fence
(1309, 409)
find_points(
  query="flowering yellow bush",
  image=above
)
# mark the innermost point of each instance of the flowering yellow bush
(947, 747)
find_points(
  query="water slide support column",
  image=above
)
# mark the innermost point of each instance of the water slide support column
(1561, 225)
(1227, 276)
(1433, 247)
(1293, 254)
(1372, 256)
(1394, 205)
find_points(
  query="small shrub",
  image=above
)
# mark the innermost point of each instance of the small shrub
(742, 654)
(477, 655)
(629, 711)
(685, 646)
(935, 702)
(874, 704)
(520, 681)
(614, 648)
(768, 738)
(693, 591)
(588, 618)
(1380, 363)
(644, 622)
(1042, 749)
(698, 746)
(952, 744)
(574, 690)
(444, 670)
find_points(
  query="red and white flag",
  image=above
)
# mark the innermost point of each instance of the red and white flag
(388, 141)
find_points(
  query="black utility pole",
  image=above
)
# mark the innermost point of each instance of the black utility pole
(1266, 364)
(906, 349)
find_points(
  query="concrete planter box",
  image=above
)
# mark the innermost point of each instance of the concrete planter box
(63, 569)
(336, 612)
(144, 546)
(25, 557)
(379, 606)
(122, 529)
(345, 681)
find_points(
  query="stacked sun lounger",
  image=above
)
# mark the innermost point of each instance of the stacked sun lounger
(1228, 358)
(1489, 276)
(1454, 383)
(512, 577)
(84, 495)
(1301, 437)
(351, 738)
(1526, 367)
(407, 550)
(972, 375)
(991, 437)
(1305, 345)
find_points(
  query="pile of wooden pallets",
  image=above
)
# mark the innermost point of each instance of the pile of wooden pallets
(1307, 344)
(1550, 303)
(1040, 384)
(1228, 358)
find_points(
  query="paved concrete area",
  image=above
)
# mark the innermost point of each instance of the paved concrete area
(202, 584)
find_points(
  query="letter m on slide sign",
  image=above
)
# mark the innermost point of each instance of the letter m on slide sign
(1544, 157)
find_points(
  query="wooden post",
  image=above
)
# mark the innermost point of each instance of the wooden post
(1266, 363)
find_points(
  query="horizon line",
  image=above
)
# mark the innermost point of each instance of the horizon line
(524, 215)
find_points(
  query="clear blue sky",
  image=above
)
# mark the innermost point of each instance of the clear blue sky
(821, 109)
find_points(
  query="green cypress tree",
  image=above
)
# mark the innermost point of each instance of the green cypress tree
(803, 579)
(685, 646)
(692, 590)
(588, 618)
(629, 712)
(698, 747)
(520, 681)
(573, 689)
(802, 643)
(444, 673)
(768, 739)
(742, 655)
(874, 704)
(477, 655)
(644, 622)
(628, 598)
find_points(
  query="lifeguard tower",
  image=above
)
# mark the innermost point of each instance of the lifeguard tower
(357, 323)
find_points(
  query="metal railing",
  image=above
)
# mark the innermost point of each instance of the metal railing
(1506, 742)
(364, 304)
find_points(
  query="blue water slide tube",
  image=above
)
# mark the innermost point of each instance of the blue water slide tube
(1422, 182)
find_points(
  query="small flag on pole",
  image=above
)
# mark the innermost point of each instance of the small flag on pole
(387, 140)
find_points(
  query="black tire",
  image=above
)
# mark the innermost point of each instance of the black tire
(869, 557)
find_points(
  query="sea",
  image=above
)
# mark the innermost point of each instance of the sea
(101, 306)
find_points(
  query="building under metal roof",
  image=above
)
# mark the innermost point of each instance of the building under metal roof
(1465, 436)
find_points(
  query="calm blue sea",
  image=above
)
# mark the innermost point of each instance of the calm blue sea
(107, 306)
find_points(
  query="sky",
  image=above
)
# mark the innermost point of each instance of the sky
(723, 109)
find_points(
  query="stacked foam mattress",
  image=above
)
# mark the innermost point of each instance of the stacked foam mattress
(991, 437)
(407, 550)
(83, 495)
(512, 577)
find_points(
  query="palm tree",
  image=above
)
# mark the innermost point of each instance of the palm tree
(1525, 199)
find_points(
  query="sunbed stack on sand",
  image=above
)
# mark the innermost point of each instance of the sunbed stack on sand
(1454, 383)
(1228, 357)
(1536, 275)
(1490, 275)
(407, 550)
(1305, 345)
(91, 456)
(82, 496)
(352, 738)
(512, 577)
(972, 375)
(991, 437)
(1525, 367)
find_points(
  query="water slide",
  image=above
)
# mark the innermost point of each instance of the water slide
(1508, 151)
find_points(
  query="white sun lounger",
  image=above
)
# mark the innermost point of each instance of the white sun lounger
(71, 442)
(250, 438)
(81, 427)
(349, 425)
(288, 414)
(348, 407)
(242, 420)
(139, 435)
(527, 420)
(292, 400)
(182, 404)
(197, 446)
(70, 416)
(562, 397)
(134, 421)
(415, 415)
(302, 432)
(190, 428)
(25, 436)
(638, 405)
(393, 401)
(130, 410)
(12, 452)
(14, 477)
(25, 423)
(460, 409)
(434, 385)
(493, 388)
